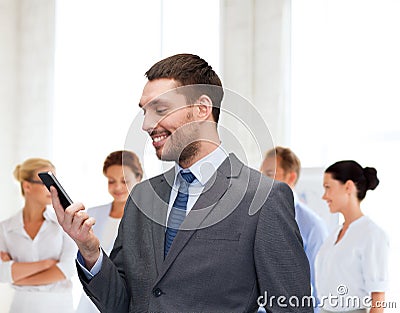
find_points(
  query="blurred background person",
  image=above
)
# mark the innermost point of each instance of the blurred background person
(122, 170)
(37, 257)
(283, 165)
(353, 261)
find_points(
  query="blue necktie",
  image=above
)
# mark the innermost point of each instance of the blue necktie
(178, 210)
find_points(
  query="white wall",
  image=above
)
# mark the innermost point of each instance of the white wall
(255, 39)
(8, 87)
(26, 89)
(8, 96)
(253, 64)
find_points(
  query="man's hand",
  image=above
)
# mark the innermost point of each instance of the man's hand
(78, 225)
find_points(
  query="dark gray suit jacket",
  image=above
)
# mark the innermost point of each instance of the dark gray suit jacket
(240, 241)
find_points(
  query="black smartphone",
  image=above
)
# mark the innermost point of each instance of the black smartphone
(49, 180)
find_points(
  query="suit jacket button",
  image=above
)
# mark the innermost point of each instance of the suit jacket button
(157, 292)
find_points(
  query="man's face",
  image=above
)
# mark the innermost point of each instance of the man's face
(271, 167)
(169, 120)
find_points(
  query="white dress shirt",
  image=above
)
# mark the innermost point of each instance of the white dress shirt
(51, 242)
(203, 170)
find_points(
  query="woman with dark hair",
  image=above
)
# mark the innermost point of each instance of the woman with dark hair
(351, 265)
(123, 171)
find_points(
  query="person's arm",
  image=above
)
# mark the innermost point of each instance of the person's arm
(80, 263)
(48, 276)
(283, 271)
(114, 295)
(377, 302)
(375, 269)
(5, 260)
(5, 256)
(111, 272)
(31, 273)
(46, 271)
(22, 270)
(103, 287)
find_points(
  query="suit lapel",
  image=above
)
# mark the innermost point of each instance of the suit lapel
(214, 189)
(162, 190)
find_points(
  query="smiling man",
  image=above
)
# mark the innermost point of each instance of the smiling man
(209, 235)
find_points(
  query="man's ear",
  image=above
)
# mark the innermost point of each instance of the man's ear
(204, 107)
(292, 178)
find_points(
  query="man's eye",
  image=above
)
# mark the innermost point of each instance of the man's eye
(161, 111)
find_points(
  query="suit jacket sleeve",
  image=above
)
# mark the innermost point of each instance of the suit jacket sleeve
(281, 264)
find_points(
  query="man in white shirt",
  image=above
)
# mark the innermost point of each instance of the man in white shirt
(211, 234)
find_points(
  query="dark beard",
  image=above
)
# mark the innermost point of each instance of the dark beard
(189, 152)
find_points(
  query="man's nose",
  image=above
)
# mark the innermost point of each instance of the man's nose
(149, 122)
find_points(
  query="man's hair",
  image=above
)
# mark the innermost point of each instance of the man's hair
(189, 69)
(288, 160)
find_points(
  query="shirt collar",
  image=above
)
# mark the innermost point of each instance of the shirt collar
(16, 222)
(296, 198)
(204, 168)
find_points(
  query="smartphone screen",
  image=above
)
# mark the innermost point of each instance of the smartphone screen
(49, 180)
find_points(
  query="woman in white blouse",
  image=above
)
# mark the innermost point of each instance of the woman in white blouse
(37, 257)
(123, 170)
(351, 265)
